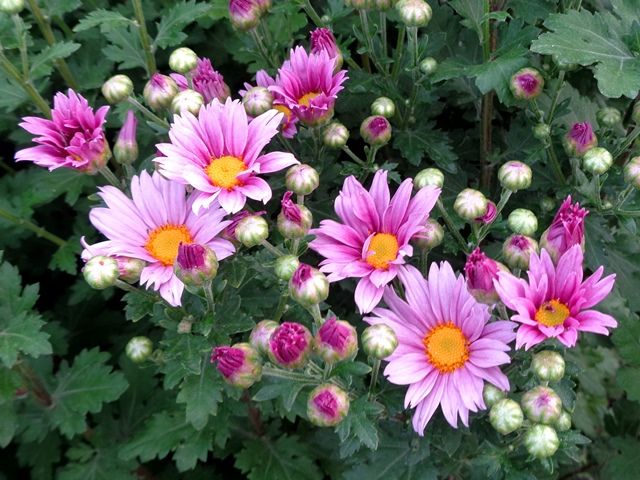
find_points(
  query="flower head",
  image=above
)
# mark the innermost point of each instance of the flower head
(219, 154)
(294, 220)
(159, 91)
(375, 130)
(372, 237)
(308, 286)
(206, 81)
(480, 272)
(151, 225)
(526, 84)
(566, 229)
(260, 335)
(290, 345)
(322, 39)
(73, 138)
(542, 405)
(245, 14)
(489, 215)
(308, 86)
(195, 264)
(555, 302)
(328, 404)
(239, 364)
(517, 250)
(580, 138)
(336, 340)
(447, 347)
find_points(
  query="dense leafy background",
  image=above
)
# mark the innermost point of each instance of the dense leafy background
(73, 406)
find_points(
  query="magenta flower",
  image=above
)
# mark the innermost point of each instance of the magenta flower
(206, 81)
(480, 272)
(308, 86)
(566, 229)
(73, 138)
(336, 340)
(580, 138)
(218, 153)
(290, 345)
(372, 237)
(152, 224)
(555, 301)
(239, 364)
(447, 347)
(322, 39)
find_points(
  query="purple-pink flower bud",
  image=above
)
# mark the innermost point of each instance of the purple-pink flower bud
(208, 82)
(245, 14)
(322, 39)
(327, 406)
(566, 229)
(542, 405)
(526, 84)
(490, 215)
(290, 345)
(336, 340)
(195, 264)
(580, 138)
(239, 364)
(159, 91)
(294, 221)
(125, 150)
(229, 233)
(480, 272)
(517, 250)
(308, 286)
(261, 334)
(376, 130)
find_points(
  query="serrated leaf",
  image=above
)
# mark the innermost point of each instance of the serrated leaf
(627, 378)
(124, 47)
(42, 63)
(175, 20)
(286, 390)
(60, 7)
(65, 258)
(627, 339)
(159, 436)
(432, 143)
(8, 424)
(193, 448)
(107, 20)
(201, 394)
(623, 464)
(472, 12)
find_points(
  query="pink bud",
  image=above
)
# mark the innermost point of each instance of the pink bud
(376, 130)
(239, 364)
(308, 286)
(490, 215)
(526, 84)
(580, 138)
(290, 345)
(125, 150)
(336, 340)
(517, 250)
(480, 272)
(566, 229)
(294, 220)
(195, 264)
(245, 14)
(159, 91)
(323, 39)
(208, 82)
(261, 334)
(229, 233)
(328, 404)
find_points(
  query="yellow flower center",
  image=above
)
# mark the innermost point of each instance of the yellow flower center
(552, 313)
(163, 242)
(223, 172)
(306, 98)
(283, 109)
(446, 347)
(382, 250)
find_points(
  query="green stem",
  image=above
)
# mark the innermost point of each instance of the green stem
(282, 305)
(148, 113)
(47, 33)
(486, 32)
(110, 176)
(353, 156)
(312, 13)
(487, 105)
(264, 53)
(454, 231)
(26, 85)
(20, 33)
(208, 293)
(504, 198)
(34, 383)
(503, 311)
(555, 163)
(424, 255)
(375, 369)
(397, 59)
(383, 38)
(413, 41)
(627, 142)
(273, 249)
(145, 40)
(556, 96)
(317, 315)
(286, 374)
(598, 198)
(39, 231)
(624, 195)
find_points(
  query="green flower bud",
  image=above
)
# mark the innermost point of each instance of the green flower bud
(335, 135)
(383, 106)
(548, 366)
(515, 176)
(517, 250)
(379, 341)
(430, 237)
(252, 230)
(302, 179)
(541, 441)
(159, 91)
(428, 66)
(522, 221)
(542, 131)
(195, 264)
(506, 416)
(117, 89)
(187, 101)
(257, 101)
(414, 13)
(609, 116)
(183, 60)
(285, 266)
(492, 395)
(597, 160)
(547, 204)
(428, 176)
(11, 7)
(260, 335)
(632, 172)
(308, 286)
(564, 422)
(130, 268)
(101, 272)
(138, 349)
(470, 204)
(542, 405)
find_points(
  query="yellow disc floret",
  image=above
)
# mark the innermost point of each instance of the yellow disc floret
(223, 172)
(163, 242)
(382, 250)
(446, 347)
(552, 313)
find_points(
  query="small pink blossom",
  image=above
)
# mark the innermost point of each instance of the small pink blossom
(566, 229)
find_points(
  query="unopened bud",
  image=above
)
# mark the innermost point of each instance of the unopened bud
(506, 416)
(11, 7)
(159, 91)
(130, 268)
(548, 366)
(101, 272)
(470, 204)
(414, 13)
(526, 84)
(138, 349)
(117, 89)
(327, 406)
(489, 215)
(185, 325)
(261, 334)
(563, 423)
(376, 130)
(125, 150)
(257, 101)
(492, 394)
(336, 340)
(430, 237)
(335, 135)
(239, 364)
(597, 160)
(187, 101)
(632, 172)
(285, 266)
(523, 221)
(294, 221)
(428, 176)
(547, 204)
(245, 14)
(302, 179)
(379, 341)
(383, 106)
(579, 139)
(542, 405)
(290, 345)
(542, 131)
(517, 250)
(195, 264)
(514, 175)
(541, 441)
(252, 230)
(308, 286)
(609, 116)
(183, 60)
(428, 66)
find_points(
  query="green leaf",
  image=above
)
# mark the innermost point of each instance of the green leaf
(42, 63)
(201, 394)
(60, 7)
(472, 11)
(107, 20)
(627, 378)
(176, 19)
(624, 464)
(285, 389)
(627, 339)
(593, 38)
(195, 447)
(65, 258)
(124, 47)
(285, 459)
(9, 423)
(433, 143)
(357, 369)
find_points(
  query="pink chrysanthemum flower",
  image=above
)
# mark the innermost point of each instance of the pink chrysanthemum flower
(308, 86)
(218, 153)
(206, 81)
(152, 224)
(566, 229)
(447, 347)
(73, 138)
(288, 125)
(555, 301)
(372, 237)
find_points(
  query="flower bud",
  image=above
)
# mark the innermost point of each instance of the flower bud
(480, 272)
(428, 66)
(506, 416)
(547, 204)
(542, 131)
(523, 221)
(239, 364)
(117, 89)
(138, 349)
(130, 268)
(470, 204)
(414, 13)
(322, 39)
(183, 60)
(379, 341)
(430, 237)
(308, 286)
(336, 340)
(159, 91)
(302, 179)
(185, 325)
(489, 216)
(285, 266)
(492, 395)
(579, 139)
(566, 229)
(514, 175)
(335, 135)
(327, 406)
(383, 106)
(428, 176)
(252, 230)
(11, 7)
(541, 441)
(245, 14)
(563, 423)
(376, 130)
(125, 150)
(597, 160)
(632, 172)
(609, 116)
(358, 4)
(101, 272)
(542, 405)
(294, 221)
(563, 65)
(261, 334)
(382, 4)
(290, 345)
(517, 250)
(187, 101)
(548, 366)
(195, 264)
(257, 101)
(526, 84)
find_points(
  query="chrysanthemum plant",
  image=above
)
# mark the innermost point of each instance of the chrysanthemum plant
(360, 239)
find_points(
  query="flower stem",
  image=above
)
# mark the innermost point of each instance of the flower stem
(555, 163)
(383, 37)
(353, 156)
(273, 249)
(454, 231)
(148, 113)
(286, 374)
(397, 59)
(317, 315)
(556, 96)
(486, 117)
(21, 35)
(264, 53)
(504, 198)
(624, 195)
(282, 305)
(413, 41)
(208, 293)
(145, 40)
(39, 231)
(34, 383)
(26, 85)
(627, 142)
(110, 176)
(313, 15)
(375, 369)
